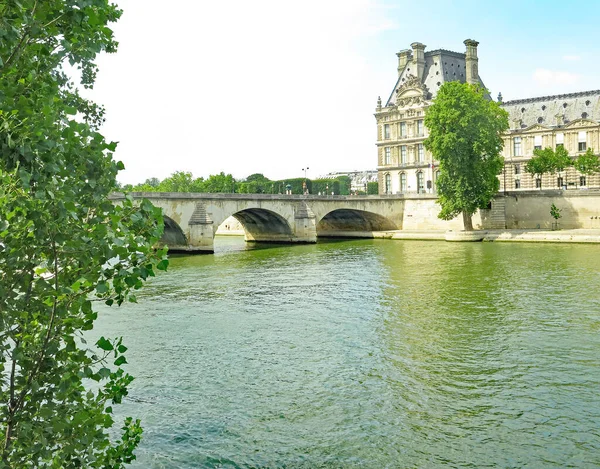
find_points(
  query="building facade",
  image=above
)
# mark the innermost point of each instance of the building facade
(405, 166)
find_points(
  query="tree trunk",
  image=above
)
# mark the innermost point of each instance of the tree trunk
(467, 221)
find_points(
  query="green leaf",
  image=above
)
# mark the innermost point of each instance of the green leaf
(104, 344)
(163, 264)
(120, 361)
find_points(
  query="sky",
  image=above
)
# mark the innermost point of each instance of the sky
(277, 86)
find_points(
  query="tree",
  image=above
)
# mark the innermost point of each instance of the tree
(179, 181)
(561, 160)
(219, 183)
(540, 163)
(372, 188)
(62, 243)
(548, 160)
(588, 163)
(153, 182)
(258, 177)
(465, 137)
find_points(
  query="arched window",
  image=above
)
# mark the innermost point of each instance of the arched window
(388, 184)
(420, 186)
(402, 182)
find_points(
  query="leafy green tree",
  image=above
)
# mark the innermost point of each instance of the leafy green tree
(258, 177)
(219, 183)
(179, 181)
(588, 163)
(465, 137)
(561, 160)
(152, 182)
(62, 243)
(548, 160)
(256, 183)
(372, 188)
(345, 183)
(540, 163)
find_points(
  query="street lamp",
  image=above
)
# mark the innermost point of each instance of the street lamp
(305, 187)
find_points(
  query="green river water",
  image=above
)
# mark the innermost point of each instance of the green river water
(367, 353)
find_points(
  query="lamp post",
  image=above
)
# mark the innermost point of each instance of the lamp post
(305, 185)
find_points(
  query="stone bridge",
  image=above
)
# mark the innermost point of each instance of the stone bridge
(191, 220)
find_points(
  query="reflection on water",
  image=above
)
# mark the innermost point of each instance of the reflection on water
(368, 353)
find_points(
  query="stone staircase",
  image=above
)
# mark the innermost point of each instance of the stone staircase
(498, 214)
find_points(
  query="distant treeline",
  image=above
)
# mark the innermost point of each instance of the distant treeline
(257, 183)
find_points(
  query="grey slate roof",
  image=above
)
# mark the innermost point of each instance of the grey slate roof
(545, 109)
(440, 66)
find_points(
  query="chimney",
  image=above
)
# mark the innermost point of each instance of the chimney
(471, 60)
(418, 59)
(403, 57)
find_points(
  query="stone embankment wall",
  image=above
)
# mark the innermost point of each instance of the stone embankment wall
(580, 209)
(531, 209)
(231, 227)
(421, 214)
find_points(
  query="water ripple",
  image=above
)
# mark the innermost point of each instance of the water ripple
(368, 353)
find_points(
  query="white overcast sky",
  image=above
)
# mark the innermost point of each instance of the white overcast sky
(274, 86)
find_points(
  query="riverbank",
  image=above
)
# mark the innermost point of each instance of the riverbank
(528, 236)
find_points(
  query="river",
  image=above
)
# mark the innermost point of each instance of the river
(367, 353)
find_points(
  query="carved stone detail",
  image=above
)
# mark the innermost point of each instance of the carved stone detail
(413, 83)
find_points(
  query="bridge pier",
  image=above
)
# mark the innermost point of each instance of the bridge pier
(305, 225)
(200, 235)
(201, 239)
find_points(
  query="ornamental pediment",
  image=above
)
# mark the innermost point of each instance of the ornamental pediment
(581, 122)
(411, 92)
(536, 128)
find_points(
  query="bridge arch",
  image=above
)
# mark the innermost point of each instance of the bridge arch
(352, 220)
(264, 225)
(173, 236)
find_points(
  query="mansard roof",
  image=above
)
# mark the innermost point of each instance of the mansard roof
(553, 111)
(440, 66)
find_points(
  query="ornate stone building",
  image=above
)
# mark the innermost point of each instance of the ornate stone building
(403, 164)
(571, 120)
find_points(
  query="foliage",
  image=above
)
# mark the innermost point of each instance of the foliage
(465, 137)
(257, 183)
(541, 162)
(325, 186)
(183, 181)
(588, 163)
(548, 160)
(561, 160)
(62, 243)
(555, 212)
(345, 183)
(257, 177)
(372, 188)
(180, 181)
(218, 183)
